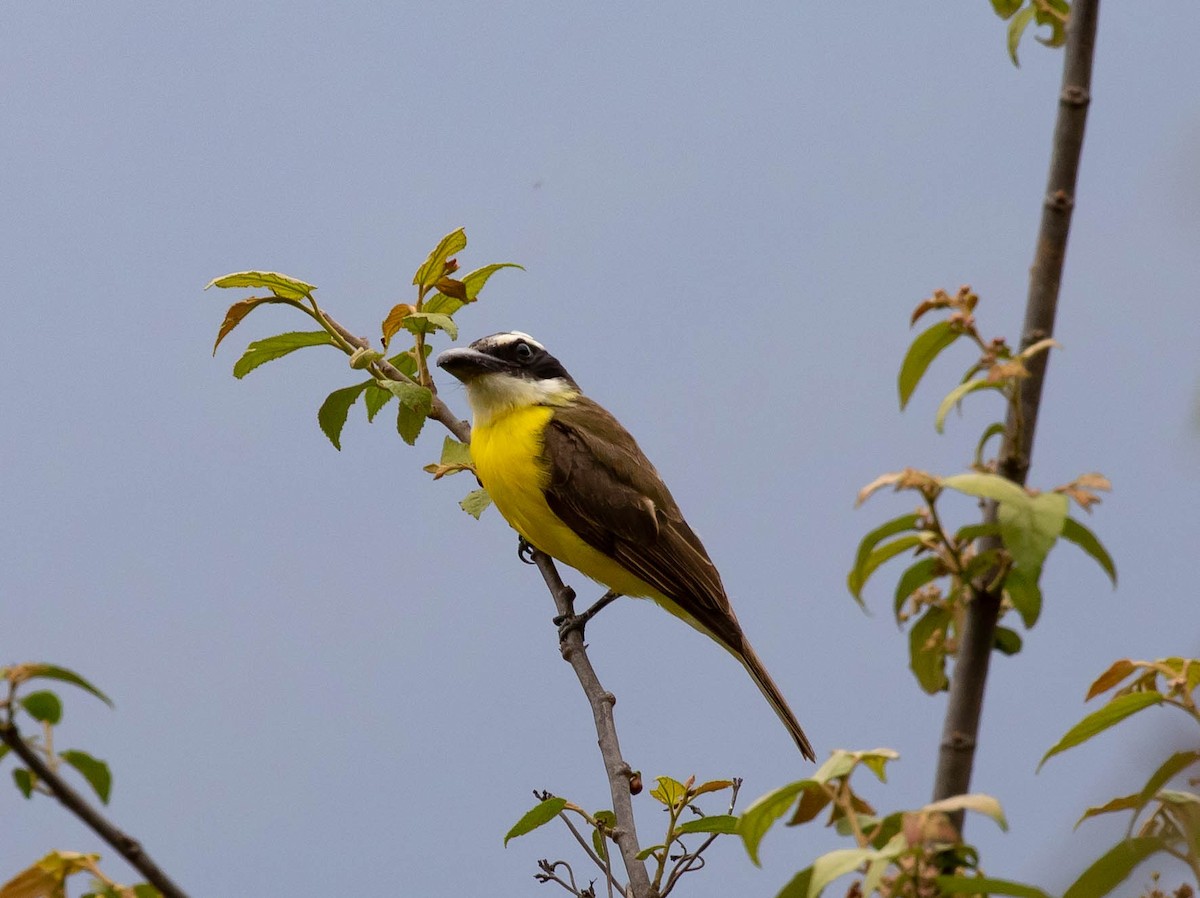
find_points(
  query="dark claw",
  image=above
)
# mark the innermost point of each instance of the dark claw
(568, 622)
(525, 550)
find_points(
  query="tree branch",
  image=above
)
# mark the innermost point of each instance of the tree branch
(574, 652)
(128, 847)
(961, 729)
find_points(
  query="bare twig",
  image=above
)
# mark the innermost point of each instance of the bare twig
(961, 729)
(128, 847)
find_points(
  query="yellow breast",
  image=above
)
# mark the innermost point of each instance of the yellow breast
(507, 452)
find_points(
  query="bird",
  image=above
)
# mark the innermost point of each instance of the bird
(575, 485)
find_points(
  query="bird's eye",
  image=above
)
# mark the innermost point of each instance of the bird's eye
(524, 352)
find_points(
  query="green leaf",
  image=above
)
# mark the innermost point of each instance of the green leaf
(914, 578)
(1005, 8)
(1025, 594)
(1016, 27)
(880, 533)
(1097, 722)
(652, 850)
(1080, 535)
(977, 802)
(433, 266)
(1170, 768)
(955, 396)
(987, 486)
(24, 780)
(94, 770)
(333, 411)
(839, 763)
(1008, 642)
(4, 749)
(1112, 868)
(668, 791)
(262, 351)
(724, 824)
(985, 885)
(857, 578)
(971, 532)
(476, 279)
(279, 284)
(375, 398)
(835, 864)
(407, 361)
(455, 452)
(762, 814)
(416, 402)
(1112, 806)
(928, 663)
(428, 322)
(924, 349)
(475, 502)
(996, 428)
(539, 815)
(1030, 528)
(44, 706)
(410, 423)
(798, 886)
(51, 672)
(876, 761)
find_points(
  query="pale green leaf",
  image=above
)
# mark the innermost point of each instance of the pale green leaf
(1113, 868)
(410, 422)
(1031, 527)
(428, 322)
(474, 281)
(924, 349)
(539, 815)
(36, 671)
(1025, 594)
(1097, 722)
(955, 396)
(455, 452)
(1086, 540)
(668, 791)
(857, 578)
(762, 814)
(94, 770)
(475, 502)
(1016, 28)
(977, 802)
(835, 864)
(279, 284)
(433, 266)
(333, 411)
(262, 351)
(714, 823)
(996, 428)
(987, 486)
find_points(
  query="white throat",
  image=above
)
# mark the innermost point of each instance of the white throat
(492, 396)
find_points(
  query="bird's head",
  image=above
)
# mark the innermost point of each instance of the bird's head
(506, 371)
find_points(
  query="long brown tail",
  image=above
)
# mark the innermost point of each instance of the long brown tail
(770, 691)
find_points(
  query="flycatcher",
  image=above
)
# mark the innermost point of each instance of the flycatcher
(572, 481)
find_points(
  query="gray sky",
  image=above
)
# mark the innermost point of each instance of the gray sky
(328, 679)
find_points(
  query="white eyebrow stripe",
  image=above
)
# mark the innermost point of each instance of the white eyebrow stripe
(497, 340)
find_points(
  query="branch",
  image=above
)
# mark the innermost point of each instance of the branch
(961, 729)
(128, 847)
(619, 773)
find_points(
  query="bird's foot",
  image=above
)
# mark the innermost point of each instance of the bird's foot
(525, 550)
(569, 622)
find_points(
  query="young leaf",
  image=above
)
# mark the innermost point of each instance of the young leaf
(24, 780)
(1170, 768)
(1025, 594)
(924, 349)
(987, 486)
(834, 864)
(996, 428)
(435, 265)
(474, 281)
(375, 398)
(1084, 538)
(44, 706)
(1016, 27)
(882, 532)
(714, 823)
(1031, 527)
(262, 351)
(927, 650)
(1123, 803)
(914, 578)
(799, 886)
(475, 502)
(977, 802)
(986, 885)
(1113, 868)
(280, 284)
(1119, 670)
(19, 673)
(428, 322)
(539, 815)
(236, 313)
(668, 791)
(857, 578)
(95, 771)
(395, 320)
(762, 814)
(1007, 642)
(1097, 722)
(1005, 8)
(409, 423)
(333, 411)
(955, 396)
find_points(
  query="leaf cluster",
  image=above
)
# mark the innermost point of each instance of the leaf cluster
(48, 877)
(672, 857)
(1020, 14)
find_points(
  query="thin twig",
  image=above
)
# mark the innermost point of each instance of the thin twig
(128, 847)
(960, 732)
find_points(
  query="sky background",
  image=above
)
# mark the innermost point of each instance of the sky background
(328, 679)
